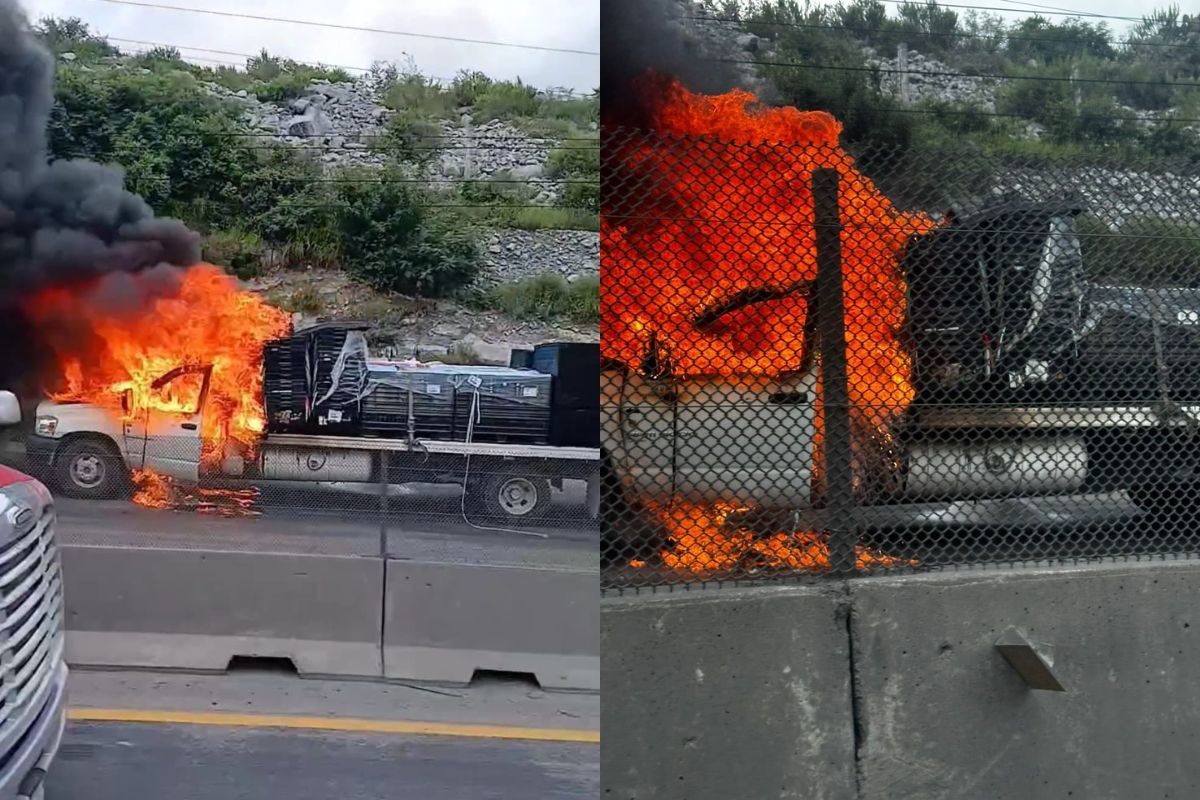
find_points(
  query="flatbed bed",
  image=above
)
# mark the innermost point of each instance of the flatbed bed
(435, 446)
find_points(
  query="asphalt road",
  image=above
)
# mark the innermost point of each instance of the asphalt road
(280, 747)
(307, 529)
(118, 761)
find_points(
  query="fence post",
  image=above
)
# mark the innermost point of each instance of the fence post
(831, 333)
(383, 504)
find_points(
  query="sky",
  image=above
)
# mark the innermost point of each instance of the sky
(553, 23)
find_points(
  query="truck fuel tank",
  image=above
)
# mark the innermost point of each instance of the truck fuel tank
(315, 464)
(1012, 466)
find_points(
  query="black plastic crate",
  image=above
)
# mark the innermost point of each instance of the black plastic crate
(385, 407)
(512, 406)
(576, 370)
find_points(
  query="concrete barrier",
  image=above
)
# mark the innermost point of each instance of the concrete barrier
(943, 715)
(443, 621)
(195, 609)
(730, 693)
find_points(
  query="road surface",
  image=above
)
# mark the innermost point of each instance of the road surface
(182, 750)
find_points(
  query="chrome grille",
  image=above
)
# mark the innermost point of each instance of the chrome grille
(31, 623)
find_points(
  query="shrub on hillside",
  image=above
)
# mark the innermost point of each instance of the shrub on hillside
(392, 240)
(507, 100)
(549, 297)
(240, 252)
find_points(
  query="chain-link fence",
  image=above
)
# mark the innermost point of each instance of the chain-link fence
(819, 363)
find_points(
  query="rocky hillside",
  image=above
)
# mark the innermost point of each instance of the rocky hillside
(342, 124)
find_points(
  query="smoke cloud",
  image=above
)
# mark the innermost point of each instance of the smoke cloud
(69, 223)
(641, 35)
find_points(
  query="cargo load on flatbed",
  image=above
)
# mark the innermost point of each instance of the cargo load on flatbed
(324, 380)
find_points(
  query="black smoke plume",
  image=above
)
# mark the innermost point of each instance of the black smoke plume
(637, 36)
(67, 223)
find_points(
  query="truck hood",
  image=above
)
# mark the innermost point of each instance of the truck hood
(81, 418)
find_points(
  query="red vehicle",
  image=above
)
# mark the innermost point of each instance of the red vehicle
(33, 674)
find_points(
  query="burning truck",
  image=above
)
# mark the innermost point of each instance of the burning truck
(980, 362)
(315, 408)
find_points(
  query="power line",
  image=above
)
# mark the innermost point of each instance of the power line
(1072, 11)
(363, 29)
(941, 34)
(232, 53)
(953, 74)
(1089, 14)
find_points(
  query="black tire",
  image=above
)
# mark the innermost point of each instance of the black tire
(90, 468)
(511, 498)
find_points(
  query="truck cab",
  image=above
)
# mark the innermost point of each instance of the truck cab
(88, 450)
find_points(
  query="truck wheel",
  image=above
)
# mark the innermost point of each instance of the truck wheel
(514, 497)
(89, 468)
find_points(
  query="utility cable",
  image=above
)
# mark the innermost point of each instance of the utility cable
(360, 28)
(1006, 37)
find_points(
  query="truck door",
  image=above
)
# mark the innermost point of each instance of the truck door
(746, 440)
(638, 422)
(166, 436)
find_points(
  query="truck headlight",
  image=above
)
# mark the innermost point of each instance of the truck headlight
(46, 426)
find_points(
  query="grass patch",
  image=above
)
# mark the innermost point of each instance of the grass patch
(537, 218)
(305, 300)
(239, 251)
(549, 297)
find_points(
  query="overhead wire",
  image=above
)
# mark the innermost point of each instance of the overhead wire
(941, 34)
(1087, 14)
(358, 28)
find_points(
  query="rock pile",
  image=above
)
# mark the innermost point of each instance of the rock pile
(343, 126)
(930, 80)
(515, 255)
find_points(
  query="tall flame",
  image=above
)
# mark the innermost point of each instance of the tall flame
(208, 322)
(722, 207)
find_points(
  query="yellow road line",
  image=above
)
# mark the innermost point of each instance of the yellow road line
(229, 720)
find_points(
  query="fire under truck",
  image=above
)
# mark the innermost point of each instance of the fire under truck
(339, 419)
(1032, 383)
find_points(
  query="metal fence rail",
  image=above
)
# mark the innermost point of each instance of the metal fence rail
(334, 495)
(818, 363)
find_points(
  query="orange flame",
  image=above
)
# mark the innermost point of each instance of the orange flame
(209, 322)
(703, 542)
(158, 491)
(724, 206)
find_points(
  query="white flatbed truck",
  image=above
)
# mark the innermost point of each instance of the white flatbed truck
(89, 451)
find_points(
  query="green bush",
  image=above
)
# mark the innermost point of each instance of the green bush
(574, 158)
(241, 252)
(419, 95)
(391, 240)
(507, 100)
(469, 85)
(72, 35)
(578, 164)
(548, 298)
(411, 137)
